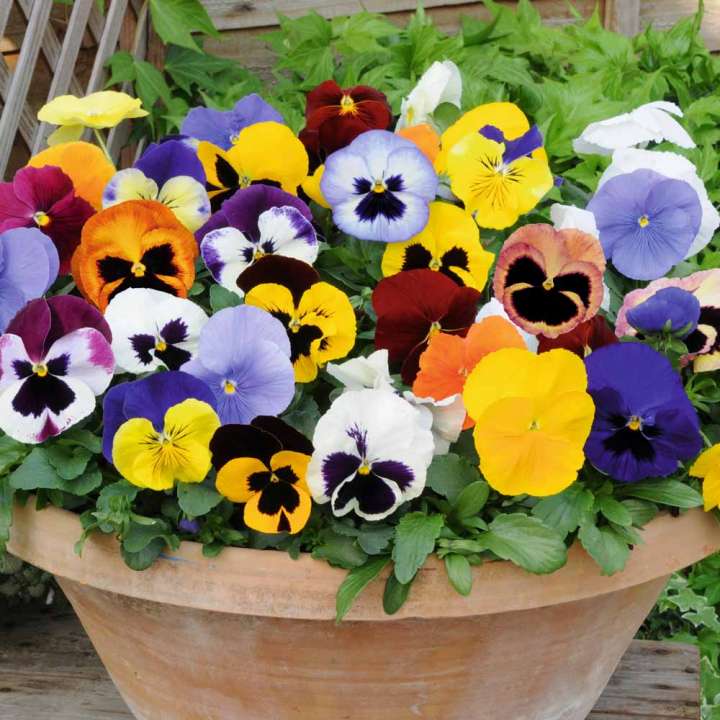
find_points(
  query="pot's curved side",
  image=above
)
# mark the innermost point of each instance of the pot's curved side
(271, 584)
(173, 663)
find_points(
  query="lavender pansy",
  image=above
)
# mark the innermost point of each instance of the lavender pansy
(372, 451)
(153, 329)
(150, 397)
(672, 310)
(644, 425)
(222, 127)
(256, 221)
(55, 357)
(170, 173)
(647, 222)
(379, 187)
(29, 264)
(244, 357)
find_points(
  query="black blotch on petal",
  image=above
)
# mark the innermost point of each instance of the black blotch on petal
(416, 257)
(525, 270)
(540, 305)
(40, 393)
(577, 283)
(278, 496)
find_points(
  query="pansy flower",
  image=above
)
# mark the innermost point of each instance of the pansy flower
(152, 329)
(334, 116)
(449, 243)
(445, 418)
(645, 425)
(84, 163)
(647, 222)
(157, 430)
(28, 267)
(707, 467)
(264, 465)
(494, 308)
(266, 152)
(569, 217)
(45, 198)
(55, 357)
(372, 451)
(440, 83)
(425, 137)
(532, 416)
(363, 372)
(170, 173)
(253, 223)
(414, 306)
(379, 187)
(138, 243)
(589, 335)
(550, 280)
(244, 358)
(671, 310)
(318, 318)
(222, 128)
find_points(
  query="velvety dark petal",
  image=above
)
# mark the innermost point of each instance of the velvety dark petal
(395, 471)
(169, 159)
(525, 270)
(523, 146)
(360, 437)
(385, 204)
(454, 257)
(40, 393)
(288, 437)
(373, 495)
(293, 274)
(67, 217)
(58, 366)
(336, 468)
(173, 357)
(547, 306)
(148, 280)
(575, 283)
(258, 481)
(174, 331)
(589, 335)
(32, 324)
(416, 257)
(160, 260)
(278, 496)
(22, 369)
(301, 340)
(226, 173)
(234, 441)
(112, 268)
(143, 345)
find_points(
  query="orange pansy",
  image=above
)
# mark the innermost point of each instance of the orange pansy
(425, 137)
(135, 244)
(85, 164)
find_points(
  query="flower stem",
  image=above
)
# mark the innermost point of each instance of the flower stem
(101, 143)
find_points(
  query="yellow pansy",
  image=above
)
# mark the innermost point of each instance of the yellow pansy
(532, 417)
(707, 467)
(311, 186)
(180, 453)
(449, 243)
(264, 152)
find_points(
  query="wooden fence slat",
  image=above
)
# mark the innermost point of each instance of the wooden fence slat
(22, 77)
(107, 44)
(65, 63)
(28, 122)
(623, 16)
(5, 9)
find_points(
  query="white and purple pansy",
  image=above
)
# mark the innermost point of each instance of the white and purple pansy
(379, 187)
(372, 451)
(153, 329)
(55, 358)
(168, 172)
(256, 221)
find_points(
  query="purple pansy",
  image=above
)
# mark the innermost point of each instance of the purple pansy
(29, 264)
(244, 357)
(647, 222)
(170, 173)
(151, 397)
(55, 357)
(379, 187)
(222, 127)
(256, 221)
(672, 310)
(372, 451)
(45, 198)
(644, 425)
(522, 146)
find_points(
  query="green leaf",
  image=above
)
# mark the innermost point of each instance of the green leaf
(36, 472)
(7, 496)
(221, 298)
(175, 20)
(122, 68)
(144, 558)
(355, 582)
(604, 546)
(395, 594)
(566, 510)
(150, 84)
(140, 535)
(90, 480)
(83, 438)
(459, 573)
(339, 550)
(614, 510)
(374, 539)
(527, 542)
(665, 492)
(11, 452)
(641, 511)
(196, 499)
(471, 500)
(449, 474)
(415, 538)
(69, 462)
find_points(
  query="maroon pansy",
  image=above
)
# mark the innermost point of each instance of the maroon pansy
(414, 305)
(45, 198)
(582, 339)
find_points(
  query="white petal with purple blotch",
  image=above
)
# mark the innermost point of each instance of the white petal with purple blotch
(130, 184)
(286, 231)
(12, 358)
(188, 199)
(152, 329)
(227, 252)
(86, 356)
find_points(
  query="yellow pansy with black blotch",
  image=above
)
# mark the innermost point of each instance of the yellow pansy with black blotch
(319, 319)
(449, 243)
(264, 465)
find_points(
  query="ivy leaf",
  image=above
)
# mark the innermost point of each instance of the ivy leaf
(449, 474)
(122, 68)
(459, 573)
(415, 538)
(395, 594)
(566, 510)
(36, 472)
(605, 547)
(665, 492)
(355, 582)
(196, 499)
(174, 20)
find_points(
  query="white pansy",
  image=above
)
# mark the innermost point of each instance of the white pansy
(440, 83)
(363, 372)
(445, 417)
(495, 307)
(652, 122)
(569, 217)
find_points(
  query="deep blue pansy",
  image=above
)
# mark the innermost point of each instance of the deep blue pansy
(670, 310)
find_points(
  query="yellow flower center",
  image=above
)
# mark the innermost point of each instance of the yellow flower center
(274, 478)
(379, 187)
(40, 369)
(434, 264)
(635, 423)
(234, 138)
(160, 346)
(229, 387)
(138, 269)
(549, 284)
(42, 219)
(364, 469)
(259, 254)
(586, 350)
(643, 221)
(294, 325)
(410, 114)
(244, 182)
(347, 105)
(534, 425)
(435, 328)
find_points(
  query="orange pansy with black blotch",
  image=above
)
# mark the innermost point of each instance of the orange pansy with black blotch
(135, 244)
(550, 280)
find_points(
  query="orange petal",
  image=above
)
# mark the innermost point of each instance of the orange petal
(490, 334)
(424, 137)
(442, 368)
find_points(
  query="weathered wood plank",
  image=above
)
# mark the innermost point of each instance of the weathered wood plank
(623, 16)
(663, 14)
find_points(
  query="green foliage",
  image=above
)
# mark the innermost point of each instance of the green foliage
(355, 582)
(414, 540)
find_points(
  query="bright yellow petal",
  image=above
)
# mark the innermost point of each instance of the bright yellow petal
(271, 151)
(711, 489)
(311, 186)
(211, 156)
(103, 109)
(534, 181)
(138, 455)
(281, 521)
(65, 133)
(707, 462)
(233, 478)
(297, 462)
(274, 298)
(187, 198)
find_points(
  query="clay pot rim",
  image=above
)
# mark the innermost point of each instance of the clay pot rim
(270, 583)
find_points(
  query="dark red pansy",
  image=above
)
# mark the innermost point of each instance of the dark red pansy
(45, 198)
(335, 116)
(414, 305)
(582, 339)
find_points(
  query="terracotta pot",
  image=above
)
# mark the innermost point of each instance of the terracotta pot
(250, 635)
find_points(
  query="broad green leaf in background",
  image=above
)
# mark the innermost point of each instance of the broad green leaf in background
(176, 20)
(414, 541)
